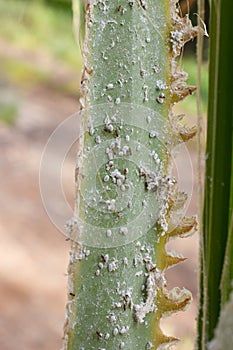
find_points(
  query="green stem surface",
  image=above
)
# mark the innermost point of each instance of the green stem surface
(124, 190)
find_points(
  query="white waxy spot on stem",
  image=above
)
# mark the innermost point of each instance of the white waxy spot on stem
(108, 233)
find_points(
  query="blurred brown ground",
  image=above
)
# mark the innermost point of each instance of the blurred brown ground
(34, 255)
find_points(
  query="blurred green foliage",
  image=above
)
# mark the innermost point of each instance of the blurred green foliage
(30, 27)
(44, 28)
(8, 112)
(40, 26)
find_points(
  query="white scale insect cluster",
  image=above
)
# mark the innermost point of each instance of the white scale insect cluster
(115, 148)
(155, 281)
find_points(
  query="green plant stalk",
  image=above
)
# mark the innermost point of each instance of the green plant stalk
(227, 274)
(117, 288)
(218, 192)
